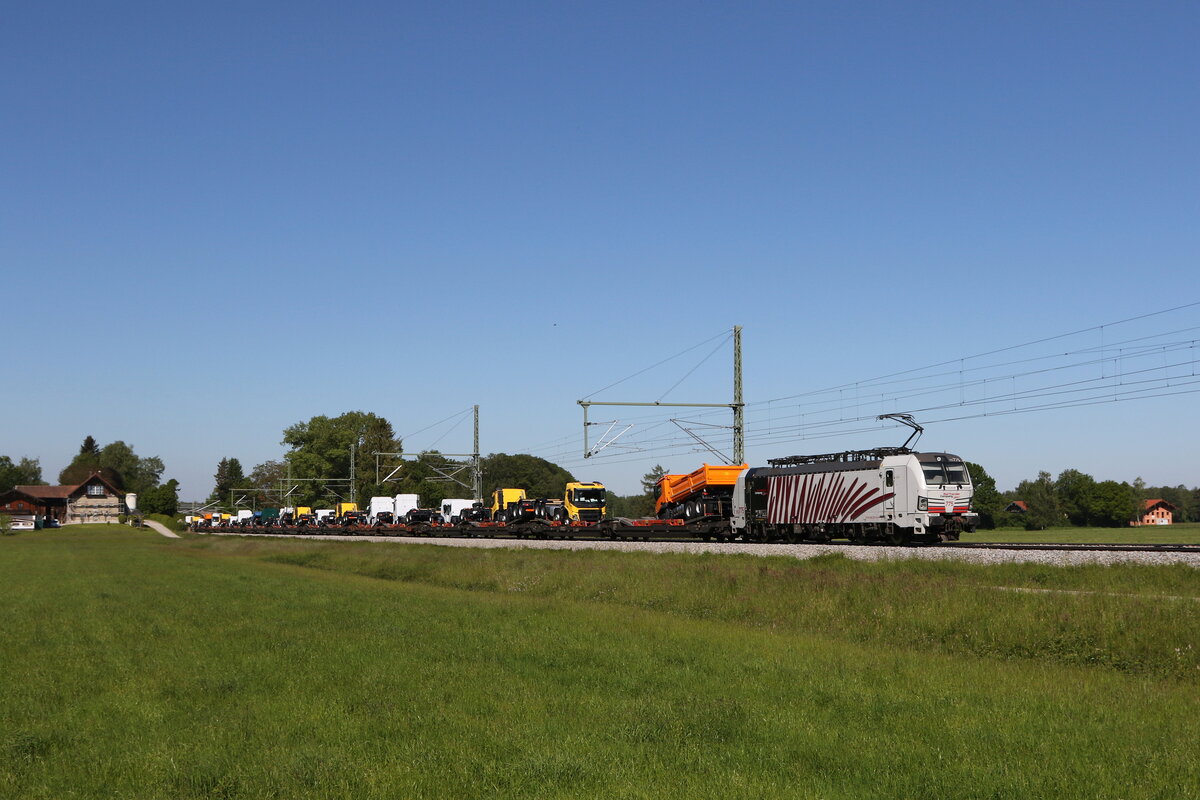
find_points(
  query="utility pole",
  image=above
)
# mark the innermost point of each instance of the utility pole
(477, 478)
(739, 422)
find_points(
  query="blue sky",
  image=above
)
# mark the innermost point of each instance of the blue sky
(222, 219)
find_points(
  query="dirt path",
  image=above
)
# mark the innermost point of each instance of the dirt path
(163, 529)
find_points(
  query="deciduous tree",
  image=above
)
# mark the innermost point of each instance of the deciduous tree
(26, 472)
(137, 473)
(537, 476)
(1114, 504)
(1039, 496)
(1076, 495)
(986, 501)
(267, 477)
(162, 499)
(321, 446)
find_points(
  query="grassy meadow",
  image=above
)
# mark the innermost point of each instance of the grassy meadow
(138, 666)
(1179, 533)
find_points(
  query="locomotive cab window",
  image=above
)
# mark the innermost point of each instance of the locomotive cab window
(957, 473)
(887, 478)
(945, 474)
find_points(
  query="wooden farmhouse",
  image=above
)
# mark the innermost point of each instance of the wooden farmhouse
(1156, 512)
(93, 500)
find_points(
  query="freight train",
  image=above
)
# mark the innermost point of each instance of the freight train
(891, 495)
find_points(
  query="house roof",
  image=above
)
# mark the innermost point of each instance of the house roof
(1149, 504)
(1019, 504)
(47, 492)
(64, 492)
(16, 493)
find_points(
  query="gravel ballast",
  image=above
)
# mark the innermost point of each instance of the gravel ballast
(799, 551)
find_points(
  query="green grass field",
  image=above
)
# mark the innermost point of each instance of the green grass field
(1179, 533)
(137, 666)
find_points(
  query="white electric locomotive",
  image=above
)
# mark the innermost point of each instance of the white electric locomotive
(890, 494)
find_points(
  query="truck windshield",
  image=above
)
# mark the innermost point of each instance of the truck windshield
(941, 474)
(588, 498)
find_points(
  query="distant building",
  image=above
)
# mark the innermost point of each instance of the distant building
(1156, 512)
(1017, 507)
(93, 500)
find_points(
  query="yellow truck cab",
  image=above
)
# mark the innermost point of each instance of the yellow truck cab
(585, 502)
(502, 499)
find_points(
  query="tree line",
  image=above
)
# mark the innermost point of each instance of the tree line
(1073, 498)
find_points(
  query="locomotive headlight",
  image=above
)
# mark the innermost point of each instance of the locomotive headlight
(922, 504)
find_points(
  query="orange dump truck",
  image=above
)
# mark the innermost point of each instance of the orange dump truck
(707, 492)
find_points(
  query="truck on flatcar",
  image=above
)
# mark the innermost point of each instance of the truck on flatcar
(585, 502)
(706, 492)
(502, 499)
(580, 502)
